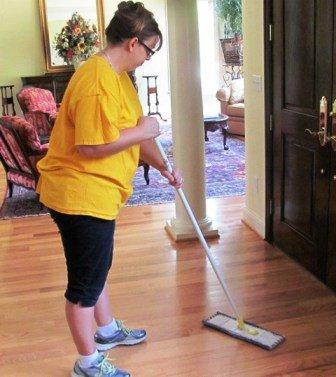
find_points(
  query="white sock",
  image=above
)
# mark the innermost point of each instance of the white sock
(88, 360)
(109, 329)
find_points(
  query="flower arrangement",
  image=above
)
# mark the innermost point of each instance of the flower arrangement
(77, 41)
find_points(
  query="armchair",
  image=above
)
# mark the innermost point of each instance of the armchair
(232, 104)
(39, 108)
(20, 150)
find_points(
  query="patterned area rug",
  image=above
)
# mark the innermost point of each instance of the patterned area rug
(224, 172)
(23, 203)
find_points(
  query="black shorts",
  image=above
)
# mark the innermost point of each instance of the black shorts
(88, 249)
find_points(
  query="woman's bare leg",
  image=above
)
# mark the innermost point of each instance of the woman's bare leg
(102, 310)
(81, 323)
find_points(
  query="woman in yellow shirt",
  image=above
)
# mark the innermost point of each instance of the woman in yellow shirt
(86, 177)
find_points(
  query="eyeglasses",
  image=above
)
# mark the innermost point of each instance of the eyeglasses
(149, 51)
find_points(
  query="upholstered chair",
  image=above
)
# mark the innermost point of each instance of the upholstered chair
(20, 150)
(39, 108)
(232, 104)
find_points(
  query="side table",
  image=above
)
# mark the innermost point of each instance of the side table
(215, 123)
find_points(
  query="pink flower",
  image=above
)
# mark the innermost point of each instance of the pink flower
(70, 54)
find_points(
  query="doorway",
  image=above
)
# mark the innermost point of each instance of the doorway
(301, 171)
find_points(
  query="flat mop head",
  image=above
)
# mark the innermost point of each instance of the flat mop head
(251, 333)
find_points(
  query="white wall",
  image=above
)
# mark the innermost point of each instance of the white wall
(209, 56)
(158, 64)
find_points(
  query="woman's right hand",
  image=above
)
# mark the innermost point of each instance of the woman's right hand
(149, 127)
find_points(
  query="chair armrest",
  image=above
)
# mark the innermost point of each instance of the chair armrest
(36, 115)
(44, 148)
(52, 119)
(42, 152)
(38, 112)
(223, 94)
(40, 120)
(49, 116)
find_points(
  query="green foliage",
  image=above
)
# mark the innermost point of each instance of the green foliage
(230, 11)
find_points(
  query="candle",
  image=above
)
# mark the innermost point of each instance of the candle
(323, 105)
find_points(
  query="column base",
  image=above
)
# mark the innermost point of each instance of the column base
(177, 235)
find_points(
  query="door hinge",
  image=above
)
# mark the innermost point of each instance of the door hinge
(271, 123)
(271, 207)
(270, 32)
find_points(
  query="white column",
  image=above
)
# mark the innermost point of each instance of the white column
(187, 117)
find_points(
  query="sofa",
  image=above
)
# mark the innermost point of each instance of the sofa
(231, 100)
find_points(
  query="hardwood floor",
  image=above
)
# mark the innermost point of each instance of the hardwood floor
(168, 288)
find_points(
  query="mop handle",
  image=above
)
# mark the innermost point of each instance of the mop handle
(216, 267)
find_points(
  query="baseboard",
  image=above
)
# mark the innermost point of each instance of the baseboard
(255, 222)
(210, 232)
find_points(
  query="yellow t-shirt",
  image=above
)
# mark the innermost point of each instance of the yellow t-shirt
(96, 106)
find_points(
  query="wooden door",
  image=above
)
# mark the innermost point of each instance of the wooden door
(302, 74)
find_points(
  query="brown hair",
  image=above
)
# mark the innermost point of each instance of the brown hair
(132, 20)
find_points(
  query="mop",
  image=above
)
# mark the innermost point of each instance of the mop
(235, 327)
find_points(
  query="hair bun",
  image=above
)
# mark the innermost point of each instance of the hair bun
(131, 20)
(130, 6)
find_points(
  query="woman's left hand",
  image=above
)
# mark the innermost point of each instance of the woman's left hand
(175, 178)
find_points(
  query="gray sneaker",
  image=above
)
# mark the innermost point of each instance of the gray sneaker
(102, 368)
(122, 337)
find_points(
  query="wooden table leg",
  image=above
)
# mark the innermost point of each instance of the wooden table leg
(146, 171)
(213, 125)
(206, 134)
(224, 133)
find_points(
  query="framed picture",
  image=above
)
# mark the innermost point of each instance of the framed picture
(54, 14)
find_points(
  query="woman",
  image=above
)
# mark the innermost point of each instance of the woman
(86, 178)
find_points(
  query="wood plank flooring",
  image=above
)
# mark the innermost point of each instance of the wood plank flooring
(168, 288)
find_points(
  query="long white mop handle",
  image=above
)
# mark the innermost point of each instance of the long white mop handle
(216, 267)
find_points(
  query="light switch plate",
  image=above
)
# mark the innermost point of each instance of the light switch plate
(257, 83)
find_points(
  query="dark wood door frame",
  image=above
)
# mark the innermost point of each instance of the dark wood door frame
(269, 143)
(268, 80)
(331, 264)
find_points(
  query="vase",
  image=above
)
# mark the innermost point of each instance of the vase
(77, 62)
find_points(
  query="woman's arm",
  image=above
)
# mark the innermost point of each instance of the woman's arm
(147, 128)
(150, 153)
